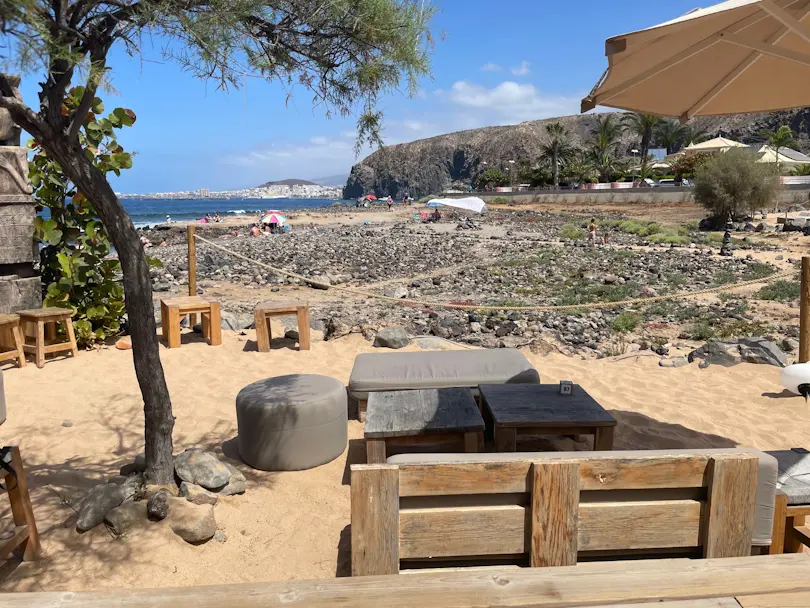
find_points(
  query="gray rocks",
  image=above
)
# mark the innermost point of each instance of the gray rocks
(236, 322)
(392, 337)
(138, 466)
(134, 487)
(98, 502)
(673, 362)
(396, 292)
(197, 494)
(201, 468)
(237, 484)
(733, 352)
(193, 523)
(158, 505)
(128, 516)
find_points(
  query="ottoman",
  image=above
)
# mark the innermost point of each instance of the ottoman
(290, 423)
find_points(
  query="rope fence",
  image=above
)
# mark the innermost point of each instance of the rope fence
(309, 281)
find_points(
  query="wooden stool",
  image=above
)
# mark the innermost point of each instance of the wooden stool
(174, 309)
(267, 310)
(26, 537)
(44, 322)
(11, 340)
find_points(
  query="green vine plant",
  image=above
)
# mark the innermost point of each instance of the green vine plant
(77, 269)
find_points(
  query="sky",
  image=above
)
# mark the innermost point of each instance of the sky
(492, 64)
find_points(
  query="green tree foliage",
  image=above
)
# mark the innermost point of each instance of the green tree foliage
(670, 134)
(557, 149)
(76, 267)
(579, 170)
(492, 177)
(734, 184)
(801, 170)
(685, 166)
(603, 152)
(642, 126)
(781, 138)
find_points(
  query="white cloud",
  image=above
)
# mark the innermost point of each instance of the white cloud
(491, 67)
(319, 141)
(510, 102)
(522, 69)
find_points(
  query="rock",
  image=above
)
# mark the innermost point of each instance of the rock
(157, 507)
(396, 292)
(124, 343)
(201, 468)
(220, 536)
(236, 322)
(67, 424)
(134, 487)
(152, 489)
(137, 466)
(99, 501)
(748, 350)
(237, 484)
(392, 337)
(197, 494)
(789, 345)
(316, 329)
(322, 283)
(193, 523)
(673, 362)
(717, 353)
(126, 517)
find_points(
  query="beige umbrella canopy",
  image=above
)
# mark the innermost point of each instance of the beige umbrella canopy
(735, 57)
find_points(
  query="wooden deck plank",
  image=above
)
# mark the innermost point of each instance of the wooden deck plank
(554, 514)
(592, 584)
(730, 505)
(375, 520)
(776, 600)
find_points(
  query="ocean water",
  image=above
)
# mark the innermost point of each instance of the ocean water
(148, 212)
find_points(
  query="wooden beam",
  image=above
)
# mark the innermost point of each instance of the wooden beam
(554, 514)
(192, 268)
(592, 584)
(767, 49)
(375, 520)
(804, 312)
(730, 505)
(786, 19)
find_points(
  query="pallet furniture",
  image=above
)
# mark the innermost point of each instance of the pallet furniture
(11, 340)
(539, 409)
(422, 417)
(551, 510)
(792, 504)
(375, 372)
(42, 324)
(645, 584)
(267, 310)
(172, 310)
(26, 537)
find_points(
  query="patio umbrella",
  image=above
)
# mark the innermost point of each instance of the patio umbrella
(273, 218)
(737, 56)
(370, 197)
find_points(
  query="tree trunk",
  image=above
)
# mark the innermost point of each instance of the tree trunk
(157, 405)
(555, 170)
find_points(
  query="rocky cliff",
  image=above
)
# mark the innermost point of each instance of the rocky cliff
(433, 165)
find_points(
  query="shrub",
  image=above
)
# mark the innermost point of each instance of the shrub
(701, 331)
(500, 200)
(734, 184)
(781, 291)
(758, 270)
(569, 231)
(669, 239)
(626, 322)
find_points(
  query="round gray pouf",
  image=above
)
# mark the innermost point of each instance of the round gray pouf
(290, 423)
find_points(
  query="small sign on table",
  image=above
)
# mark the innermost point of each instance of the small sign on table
(566, 387)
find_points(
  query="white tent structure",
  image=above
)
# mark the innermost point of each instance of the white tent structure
(470, 203)
(713, 146)
(787, 157)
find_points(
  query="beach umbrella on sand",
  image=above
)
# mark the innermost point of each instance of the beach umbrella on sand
(370, 197)
(737, 56)
(273, 217)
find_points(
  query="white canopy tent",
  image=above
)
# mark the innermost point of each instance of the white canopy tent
(787, 157)
(718, 144)
(470, 203)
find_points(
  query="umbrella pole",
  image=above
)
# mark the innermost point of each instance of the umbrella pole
(804, 314)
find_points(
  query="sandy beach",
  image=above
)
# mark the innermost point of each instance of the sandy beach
(78, 420)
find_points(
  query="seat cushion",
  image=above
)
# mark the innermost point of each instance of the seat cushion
(766, 475)
(794, 474)
(374, 372)
(2, 400)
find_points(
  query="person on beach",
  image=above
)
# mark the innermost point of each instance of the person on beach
(592, 233)
(168, 219)
(217, 219)
(254, 230)
(389, 201)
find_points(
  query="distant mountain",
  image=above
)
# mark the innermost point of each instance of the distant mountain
(430, 166)
(289, 182)
(332, 180)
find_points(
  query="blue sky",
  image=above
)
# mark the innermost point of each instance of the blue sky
(496, 63)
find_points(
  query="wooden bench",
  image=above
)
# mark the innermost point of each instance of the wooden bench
(42, 324)
(26, 537)
(551, 512)
(172, 310)
(267, 310)
(11, 340)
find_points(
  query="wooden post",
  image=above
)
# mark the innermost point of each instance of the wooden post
(804, 315)
(192, 270)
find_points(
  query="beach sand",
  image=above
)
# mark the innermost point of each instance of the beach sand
(78, 420)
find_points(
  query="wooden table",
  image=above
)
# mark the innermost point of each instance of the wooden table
(539, 409)
(42, 324)
(420, 417)
(266, 310)
(174, 309)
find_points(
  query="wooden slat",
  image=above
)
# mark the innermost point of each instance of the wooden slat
(375, 520)
(780, 600)
(732, 481)
(554, 514)
(20, 535)
(622, 473)
(506, 529)
(592, 584)
(721, 602)
(779, 521)
(798, 510)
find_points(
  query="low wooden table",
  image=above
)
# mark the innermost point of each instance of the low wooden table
(266, 310)
(42, 324)
(539, 409)
(420, 417)
(174, 309)
(11, 340)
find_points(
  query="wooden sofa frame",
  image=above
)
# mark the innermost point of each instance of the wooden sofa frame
(551, 511)
(25, 538)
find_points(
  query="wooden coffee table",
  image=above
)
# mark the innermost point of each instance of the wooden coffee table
(422, 416)
(539, 409)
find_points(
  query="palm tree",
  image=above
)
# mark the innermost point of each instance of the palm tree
(607, 132)
(579, 170)
(692, 134)
(781, 138)
(801, 170)
(669, 133)
(602, 154)
(605, 163)
(557, 149)
(642, 125)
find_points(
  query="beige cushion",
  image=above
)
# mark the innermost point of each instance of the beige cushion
(766, 477)
(375, 372)
(2, 400)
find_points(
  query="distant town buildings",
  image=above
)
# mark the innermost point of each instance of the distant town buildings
(264, 192)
